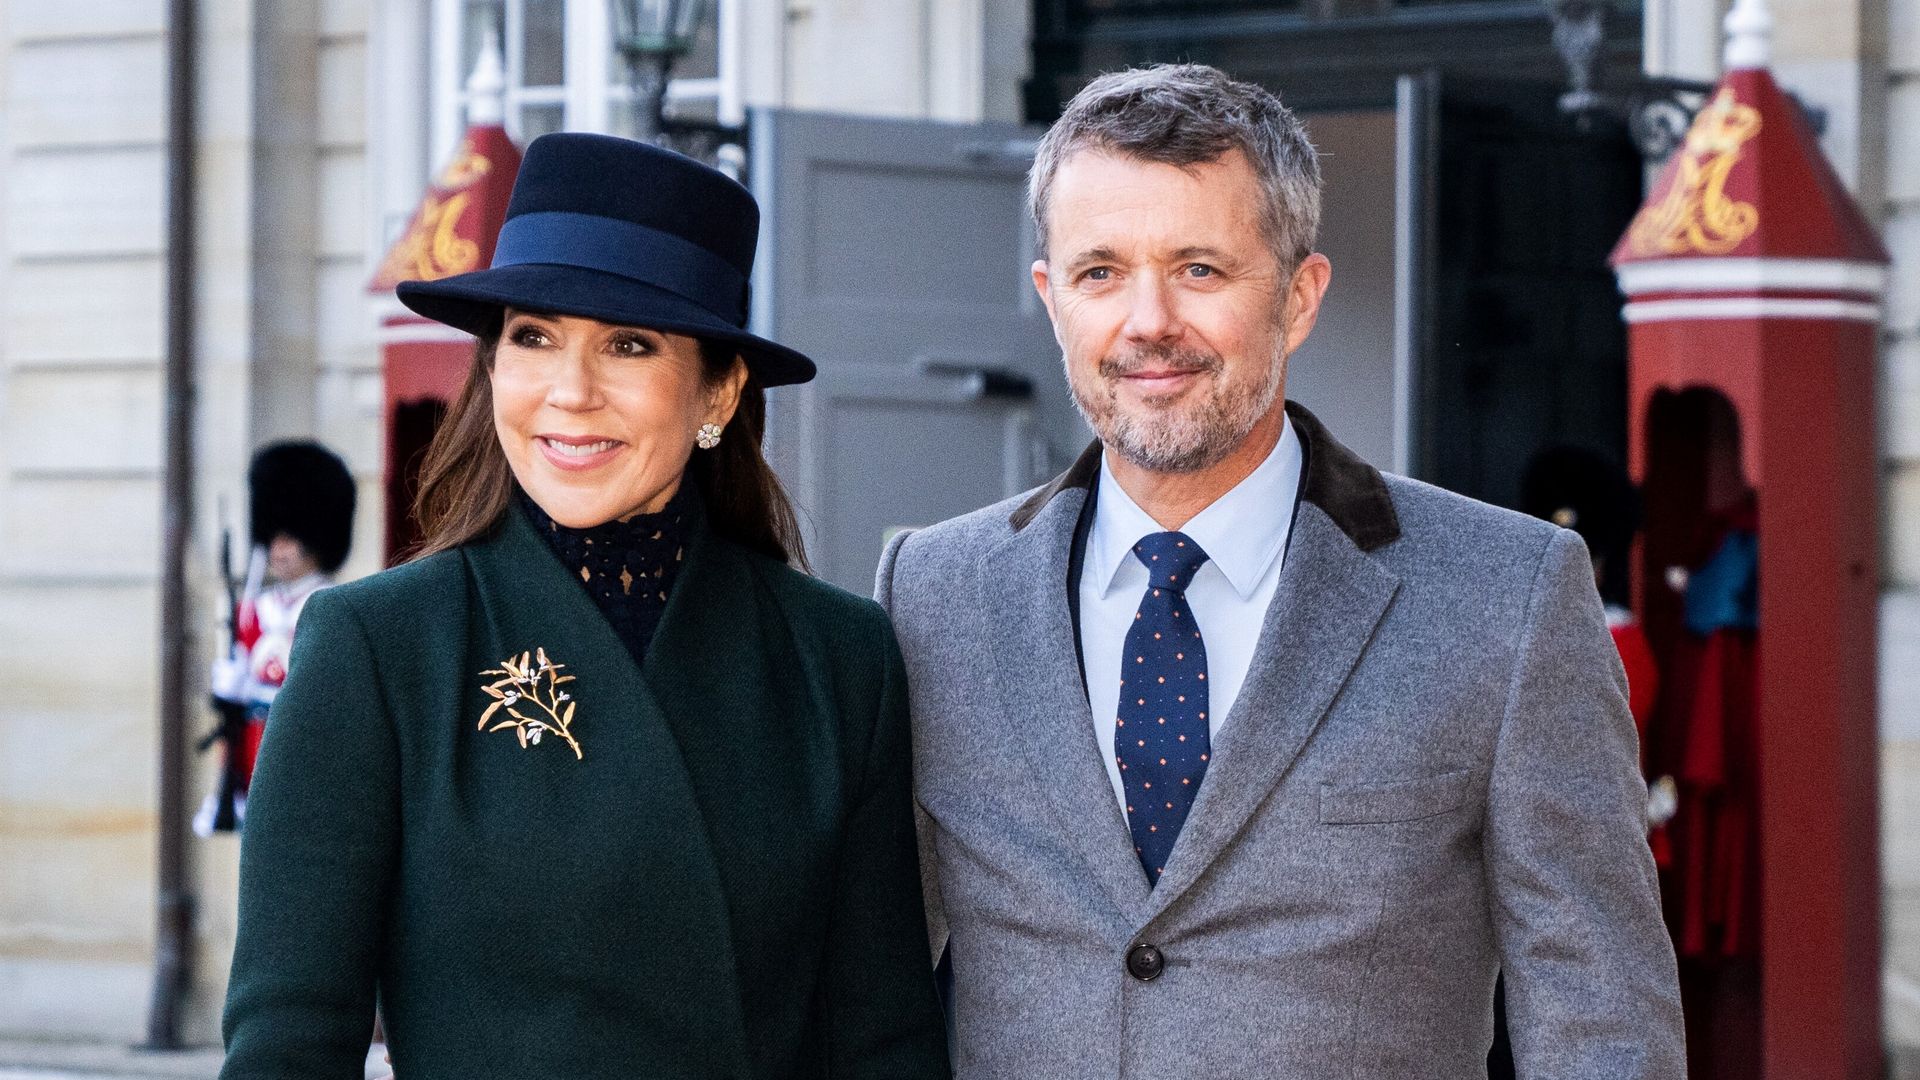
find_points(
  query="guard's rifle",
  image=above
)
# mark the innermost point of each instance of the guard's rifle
(228, 691)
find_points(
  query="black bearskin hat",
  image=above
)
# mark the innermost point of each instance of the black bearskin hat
(1578, 489)
(304, 490)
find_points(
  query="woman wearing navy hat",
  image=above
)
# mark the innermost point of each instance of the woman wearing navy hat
(597, 785)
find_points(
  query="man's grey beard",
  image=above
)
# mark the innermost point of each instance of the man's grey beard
(1170, 441)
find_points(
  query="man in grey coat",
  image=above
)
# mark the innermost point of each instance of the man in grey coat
(1235, 757)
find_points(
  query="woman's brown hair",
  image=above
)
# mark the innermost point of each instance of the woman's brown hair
(466, 486)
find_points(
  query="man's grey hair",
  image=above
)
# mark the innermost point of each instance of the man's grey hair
(1184, 115)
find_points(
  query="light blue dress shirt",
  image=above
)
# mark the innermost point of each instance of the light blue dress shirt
(1244, 534)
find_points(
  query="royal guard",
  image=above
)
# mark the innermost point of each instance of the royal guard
(302, 500)
(1578, 489)
(1715, 895)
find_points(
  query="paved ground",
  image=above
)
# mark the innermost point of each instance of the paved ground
(116, 1074)
(26, 1060)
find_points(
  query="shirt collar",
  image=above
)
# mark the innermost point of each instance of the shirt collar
(1242, 532)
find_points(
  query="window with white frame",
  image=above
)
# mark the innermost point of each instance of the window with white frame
(563, 71)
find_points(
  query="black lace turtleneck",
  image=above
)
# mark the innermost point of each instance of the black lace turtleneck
(628, 567)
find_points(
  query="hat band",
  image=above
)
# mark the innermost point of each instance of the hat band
(651, 256)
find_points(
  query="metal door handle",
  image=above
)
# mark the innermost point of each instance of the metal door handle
(1017, 153)
(987, 380)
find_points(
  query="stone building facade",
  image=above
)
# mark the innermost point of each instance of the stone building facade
(319, 125)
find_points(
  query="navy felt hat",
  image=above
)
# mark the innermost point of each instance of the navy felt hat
(623, 232)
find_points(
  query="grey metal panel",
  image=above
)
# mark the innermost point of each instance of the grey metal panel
(1346, 370)
(1416, 185)
(897, 255)
(935, 459)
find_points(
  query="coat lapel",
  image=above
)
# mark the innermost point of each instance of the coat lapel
(721, 664)
(526, 600)
(1025, 577)
(1330, 600)
(709, 640)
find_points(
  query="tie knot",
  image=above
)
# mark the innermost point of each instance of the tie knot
(1170, 558)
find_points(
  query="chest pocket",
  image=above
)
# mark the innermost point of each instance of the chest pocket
(1393, 800)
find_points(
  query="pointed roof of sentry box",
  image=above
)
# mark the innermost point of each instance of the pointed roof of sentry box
(1751, 180)
(458, 220)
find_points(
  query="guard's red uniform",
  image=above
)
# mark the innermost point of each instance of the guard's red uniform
(1713, 884)
(1643, 692)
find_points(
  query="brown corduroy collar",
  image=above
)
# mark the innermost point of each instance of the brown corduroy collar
(1335, 479)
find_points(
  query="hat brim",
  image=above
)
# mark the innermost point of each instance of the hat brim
(473, 302)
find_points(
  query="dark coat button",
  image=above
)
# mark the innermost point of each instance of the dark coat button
(1145, 963)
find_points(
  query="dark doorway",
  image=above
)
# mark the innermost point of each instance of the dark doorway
(413, 426)
(1523, 345)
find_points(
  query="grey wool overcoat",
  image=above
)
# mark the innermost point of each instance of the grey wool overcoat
(1429, 777)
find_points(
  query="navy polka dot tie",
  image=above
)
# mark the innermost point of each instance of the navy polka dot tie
(1160, 739)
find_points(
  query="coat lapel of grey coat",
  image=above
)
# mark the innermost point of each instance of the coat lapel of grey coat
(1023, 580)
(1330, 599)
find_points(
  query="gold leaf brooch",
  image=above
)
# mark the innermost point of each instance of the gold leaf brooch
(532, 682)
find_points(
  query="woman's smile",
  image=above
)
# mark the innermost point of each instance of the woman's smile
(577, 453)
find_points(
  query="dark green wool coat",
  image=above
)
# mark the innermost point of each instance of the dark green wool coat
(721, 884)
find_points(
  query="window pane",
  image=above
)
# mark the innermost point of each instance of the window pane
(538, 120)
(543, 24)
(478, 17)
(703, 60)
